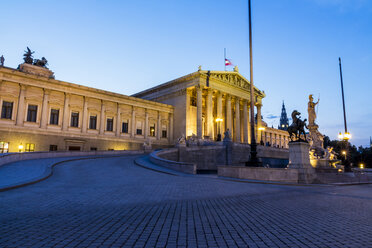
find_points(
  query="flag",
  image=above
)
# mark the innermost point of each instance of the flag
(227, 62)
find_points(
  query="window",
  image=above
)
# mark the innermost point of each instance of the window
(54, 116)
(53, 148)
(93, 148)
(32, 113)
(164, 133)
(110, 124)
(93, 122)
(139, 128)
(152, 130)
(124, 128)
(7, 110)
(4, 147)
(75, 119)
(30, 147)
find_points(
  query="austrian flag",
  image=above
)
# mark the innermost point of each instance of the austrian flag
(227, 62)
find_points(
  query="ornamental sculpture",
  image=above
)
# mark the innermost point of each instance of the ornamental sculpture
(311, 110)
(28, 58)
(297, 128)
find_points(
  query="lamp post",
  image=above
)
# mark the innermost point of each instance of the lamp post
(254, 160)
(219, 120)
(346, 136)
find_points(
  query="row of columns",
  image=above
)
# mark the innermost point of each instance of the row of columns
(66, 113)
(275, 139)
(229, 117)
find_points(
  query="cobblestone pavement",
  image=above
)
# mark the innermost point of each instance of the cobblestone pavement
(112, 202)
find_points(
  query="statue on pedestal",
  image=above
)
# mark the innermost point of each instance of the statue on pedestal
(2, 59)
(297, 128)
(311, 110)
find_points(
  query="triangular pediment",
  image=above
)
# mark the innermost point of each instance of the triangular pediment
(232, 78)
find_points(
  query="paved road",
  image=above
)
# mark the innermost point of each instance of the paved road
(113, 203)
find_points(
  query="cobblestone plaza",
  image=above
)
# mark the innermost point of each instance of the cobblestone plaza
(111, 202)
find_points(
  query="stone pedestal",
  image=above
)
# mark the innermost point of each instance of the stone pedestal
(299, 159)
(36, 70)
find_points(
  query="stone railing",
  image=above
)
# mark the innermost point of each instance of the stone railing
(157, 158)
(13, 157)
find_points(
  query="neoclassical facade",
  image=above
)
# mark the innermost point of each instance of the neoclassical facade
(207, 103)
(40, 113)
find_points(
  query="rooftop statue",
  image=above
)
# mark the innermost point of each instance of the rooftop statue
(28, 56)
(311, 110)
(41, 62)
(2, 59)
(297, 127)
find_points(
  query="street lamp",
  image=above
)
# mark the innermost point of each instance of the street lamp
(20, 148)
(261, 129)
(219, 120)
(361, 166)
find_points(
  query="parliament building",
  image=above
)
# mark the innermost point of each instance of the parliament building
(40, 113)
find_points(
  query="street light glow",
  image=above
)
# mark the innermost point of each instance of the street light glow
(261, 128)
(219, 120)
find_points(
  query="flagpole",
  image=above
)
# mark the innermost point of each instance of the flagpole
(254, 160)
(224, 61)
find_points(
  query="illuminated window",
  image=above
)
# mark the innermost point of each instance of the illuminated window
(7, 110)
(32, 113)
(30, 147)
(4, 147)
(54, 116)
(110, 124)
(75, 119)
(124, 128)
(152, 130)
(93, 122)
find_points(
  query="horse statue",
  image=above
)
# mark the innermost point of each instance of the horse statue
(41, 62)
(297, 127)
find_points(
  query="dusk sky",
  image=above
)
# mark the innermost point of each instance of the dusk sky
(129, 46)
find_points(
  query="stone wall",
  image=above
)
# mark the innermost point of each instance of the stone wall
(157, 158)
(13, 157)
(209, 157)
(259, 173)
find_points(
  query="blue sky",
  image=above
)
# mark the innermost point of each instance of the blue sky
(128, 46)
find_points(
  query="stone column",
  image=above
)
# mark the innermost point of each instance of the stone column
(280, 141)
(133, 122)
(170, 123)
(209, 110)
(249, 123)
(84, 125)
(21, 106)
(237, 120)
(199, 112)
(259, 122)
(188, 117)
(228, 113)
(44, 109)
(103, 118)
(118, 120)
(219, 114)
(146, 124)
(159, 126)
(66, 112)
(245, 122)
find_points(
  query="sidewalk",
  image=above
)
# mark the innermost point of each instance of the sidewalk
(25, 172)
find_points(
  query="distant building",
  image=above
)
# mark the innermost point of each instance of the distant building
(283, 119)
(370, 141)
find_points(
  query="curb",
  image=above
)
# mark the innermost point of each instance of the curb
(49, 172)
(138, 163)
